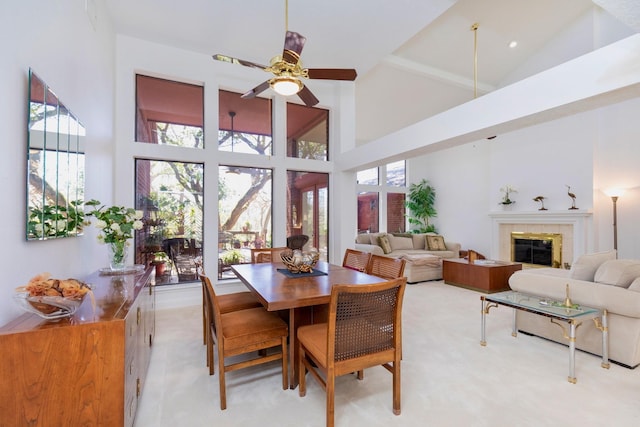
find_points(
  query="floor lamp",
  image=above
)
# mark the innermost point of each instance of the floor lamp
(614, 194)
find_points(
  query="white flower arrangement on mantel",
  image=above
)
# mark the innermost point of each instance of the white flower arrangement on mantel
(506, 199)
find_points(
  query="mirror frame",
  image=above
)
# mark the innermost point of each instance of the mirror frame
(55, 166)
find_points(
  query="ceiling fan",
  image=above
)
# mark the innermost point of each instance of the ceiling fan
(288, 70)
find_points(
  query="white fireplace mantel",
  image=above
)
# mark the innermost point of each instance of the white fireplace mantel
(580, 220)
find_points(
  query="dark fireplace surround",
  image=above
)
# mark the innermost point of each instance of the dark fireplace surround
(537, 249)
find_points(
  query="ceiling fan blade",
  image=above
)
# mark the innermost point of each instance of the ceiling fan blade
(307, 97)
(225, 58)
(293, 44)
(332, 73)
(256, 90)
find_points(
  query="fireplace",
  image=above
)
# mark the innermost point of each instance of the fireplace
(537, 249)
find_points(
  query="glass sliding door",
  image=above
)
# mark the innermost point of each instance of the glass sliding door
(308, 208)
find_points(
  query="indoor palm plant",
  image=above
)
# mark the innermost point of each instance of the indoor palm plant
(117, 225)
(421, 201)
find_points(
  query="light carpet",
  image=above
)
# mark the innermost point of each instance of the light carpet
(448, 379)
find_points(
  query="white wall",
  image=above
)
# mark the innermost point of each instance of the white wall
(57, 40)
(591, 152)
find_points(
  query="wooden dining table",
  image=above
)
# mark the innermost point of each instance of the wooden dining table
(302, 298)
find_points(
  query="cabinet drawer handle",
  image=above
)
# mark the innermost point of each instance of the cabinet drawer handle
(139, 315)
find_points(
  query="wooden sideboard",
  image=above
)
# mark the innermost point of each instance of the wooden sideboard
(88, 369)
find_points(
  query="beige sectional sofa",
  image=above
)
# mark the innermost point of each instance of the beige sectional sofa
(422, 263)
(596, 280)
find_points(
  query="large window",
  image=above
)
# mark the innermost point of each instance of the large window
(170, 195)
(307, 132)
(382, 201)
(244, 215)
(169, 112)
(244, 124)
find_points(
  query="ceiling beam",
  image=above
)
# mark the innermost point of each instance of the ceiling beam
(600, 78)
(438, 74)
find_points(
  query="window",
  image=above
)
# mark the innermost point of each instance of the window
(307, 132)
(169, 112)
(396, 222)
(396, 174)
(368, 212)
(170, 195)
(368, 177)
(244, 209)
(244, 124)
(382, 203)
(308, 208)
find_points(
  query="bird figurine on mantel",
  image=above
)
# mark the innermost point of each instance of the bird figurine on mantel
(573, 198)
(541, 200)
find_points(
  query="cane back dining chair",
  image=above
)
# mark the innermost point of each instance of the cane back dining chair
(266, 255)
(385, 267)
(241, 332)
(363, 330)
(228, 302)
(356, 260)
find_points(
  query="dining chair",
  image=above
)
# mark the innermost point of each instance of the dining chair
(297, 241)
(241, 332)
(363, 330)
(385, 267)
(356, 260)
(266, 254)
(228, 302)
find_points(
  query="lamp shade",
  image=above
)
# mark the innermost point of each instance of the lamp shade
(614, 192)
(286, 86)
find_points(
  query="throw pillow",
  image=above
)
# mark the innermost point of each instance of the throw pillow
(400, 242)
(635, 285)
(617, 272)
(584, 268)
(435, 243)
(383, 242)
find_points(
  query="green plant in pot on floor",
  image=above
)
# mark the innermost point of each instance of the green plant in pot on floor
(421, 205)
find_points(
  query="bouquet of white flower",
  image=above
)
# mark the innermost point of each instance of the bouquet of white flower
(117, 224)
(507, 190)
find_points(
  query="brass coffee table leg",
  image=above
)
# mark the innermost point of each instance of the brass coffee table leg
(572, 352)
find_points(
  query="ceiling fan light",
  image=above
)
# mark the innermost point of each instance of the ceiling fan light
(286, 86)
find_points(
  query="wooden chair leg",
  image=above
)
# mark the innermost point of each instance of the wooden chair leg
(285, 365)
(302, 371)
(221, 379)
(331, 383)
(361, 374)
(396, 387)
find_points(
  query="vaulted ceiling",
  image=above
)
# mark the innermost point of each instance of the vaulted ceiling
(414, 58)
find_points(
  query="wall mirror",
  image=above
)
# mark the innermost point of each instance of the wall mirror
(55, 165)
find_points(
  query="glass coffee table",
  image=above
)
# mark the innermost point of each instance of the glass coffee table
(556, 311)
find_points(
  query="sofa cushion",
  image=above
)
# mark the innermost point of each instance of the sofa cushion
(635, 285)
(419, 242)
(436, 243)
(374, 237)
(363, 239)
(383, 242)
(584, 268)
(617, 272)
(398, 243)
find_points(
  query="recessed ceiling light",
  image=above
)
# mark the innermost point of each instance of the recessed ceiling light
(513, 44)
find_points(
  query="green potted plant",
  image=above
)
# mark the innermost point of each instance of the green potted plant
(421, 201)
(231, 257)
(161, 260)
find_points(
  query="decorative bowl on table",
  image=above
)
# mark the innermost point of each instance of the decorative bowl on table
(51, 298)
(298, 261)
